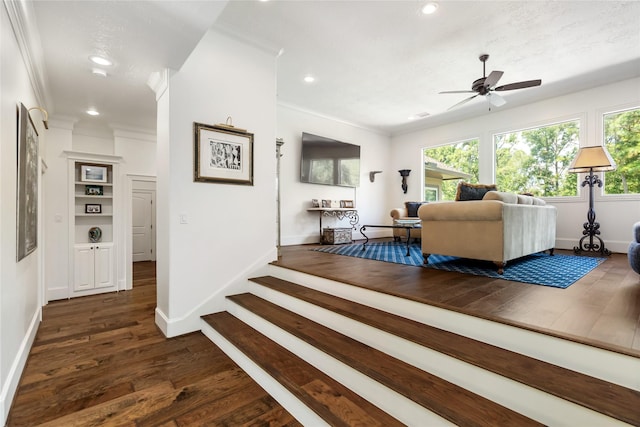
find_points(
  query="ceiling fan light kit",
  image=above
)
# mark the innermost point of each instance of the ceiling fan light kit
(485, 86)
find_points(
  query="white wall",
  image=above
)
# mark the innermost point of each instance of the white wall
(19, 282)
(230, 229)
(372, 199)
(56, 216)
(616, 214)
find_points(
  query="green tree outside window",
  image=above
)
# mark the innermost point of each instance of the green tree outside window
(536, 161)
(622, 140)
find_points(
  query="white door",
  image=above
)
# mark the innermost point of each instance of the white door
(142, 222)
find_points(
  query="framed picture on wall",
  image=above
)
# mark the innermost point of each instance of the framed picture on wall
(27, 185)
(222, 154)
(90, 173)
(346, 204)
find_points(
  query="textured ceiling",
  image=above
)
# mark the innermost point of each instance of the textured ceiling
(376, 62)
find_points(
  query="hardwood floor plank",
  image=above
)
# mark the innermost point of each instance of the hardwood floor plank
(451, 402)
(611, 399)
(292, 372)
(100, 360)
(524, 305)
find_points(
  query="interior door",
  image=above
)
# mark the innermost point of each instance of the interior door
(142, 222)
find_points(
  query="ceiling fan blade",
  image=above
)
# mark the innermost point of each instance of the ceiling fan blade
(496, 100)
(457, 91)
(519, 85)
(464, 101)
(492, 79)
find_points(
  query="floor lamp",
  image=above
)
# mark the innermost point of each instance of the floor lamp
(590, 160)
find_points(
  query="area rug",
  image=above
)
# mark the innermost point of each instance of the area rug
(558, 271)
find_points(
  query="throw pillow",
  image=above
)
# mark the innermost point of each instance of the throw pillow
(412, 208)
(468, 191)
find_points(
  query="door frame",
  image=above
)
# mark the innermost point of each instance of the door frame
(128, 240)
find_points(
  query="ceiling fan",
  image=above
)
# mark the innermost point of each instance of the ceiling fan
(485, 86)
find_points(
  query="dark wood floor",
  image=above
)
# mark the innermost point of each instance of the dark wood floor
(601, 309)
(101, 361)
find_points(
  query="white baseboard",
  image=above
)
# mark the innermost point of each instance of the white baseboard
(190, 321)
(15, 372)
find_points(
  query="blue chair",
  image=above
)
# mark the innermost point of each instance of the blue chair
(634, 249)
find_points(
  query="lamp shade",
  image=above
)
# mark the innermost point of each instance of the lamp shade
(595, 159)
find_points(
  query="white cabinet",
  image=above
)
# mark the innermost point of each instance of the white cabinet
(93, 223)
(93, 266)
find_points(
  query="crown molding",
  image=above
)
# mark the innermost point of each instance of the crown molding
(22, 17)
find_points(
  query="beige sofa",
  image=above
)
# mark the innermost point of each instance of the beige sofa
(499, 228)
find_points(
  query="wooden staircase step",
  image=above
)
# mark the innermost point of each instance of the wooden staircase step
(601, 396)
(332, 401)
(446, 399)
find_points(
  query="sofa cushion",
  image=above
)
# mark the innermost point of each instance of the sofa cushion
(412, 208)
(502, 196)
(468, 191)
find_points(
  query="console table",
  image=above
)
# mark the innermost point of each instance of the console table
(340, 213)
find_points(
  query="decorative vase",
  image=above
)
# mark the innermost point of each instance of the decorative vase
(95, 234)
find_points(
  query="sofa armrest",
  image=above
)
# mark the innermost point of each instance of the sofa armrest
(398, 213)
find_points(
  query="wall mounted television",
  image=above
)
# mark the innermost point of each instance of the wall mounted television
(329, 162)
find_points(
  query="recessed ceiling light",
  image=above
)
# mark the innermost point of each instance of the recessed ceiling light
(429, 8)
(309, 78)
(99, 72)
(100, 60)
(92, 112)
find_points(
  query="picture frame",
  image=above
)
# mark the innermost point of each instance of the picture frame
(348, 204)
(315, 203)
(222, 154)
(93, 208)
(94, 190)
(326, 203)
(27, 185)
(91, 173)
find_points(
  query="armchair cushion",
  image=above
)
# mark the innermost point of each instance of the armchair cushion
(412, 208)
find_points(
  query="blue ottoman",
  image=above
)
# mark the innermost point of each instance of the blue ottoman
(634, 249)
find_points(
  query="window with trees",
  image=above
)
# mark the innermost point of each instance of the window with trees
(537, 160)
(460, 156)
(622, 140)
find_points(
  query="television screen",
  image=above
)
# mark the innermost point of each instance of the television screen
(329, 162)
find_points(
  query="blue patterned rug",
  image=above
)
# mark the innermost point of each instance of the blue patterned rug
(558, 271)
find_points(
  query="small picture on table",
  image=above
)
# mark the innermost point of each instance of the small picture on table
(92, 208)
(346, 204)
(326, 203)
(315, 203)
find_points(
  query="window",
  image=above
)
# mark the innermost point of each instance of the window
(451, 160)
(622, 140)
(537, 160)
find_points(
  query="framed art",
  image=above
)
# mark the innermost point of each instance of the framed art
(326, 203)
(92, 208)
(315, 203)
(222, 154)
(27, 185)
(94, 190)
(346, 204)
(90, 173)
